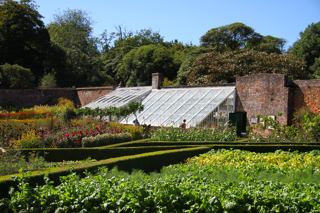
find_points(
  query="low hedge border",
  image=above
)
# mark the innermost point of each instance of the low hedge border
(148, 162)
(106, 139)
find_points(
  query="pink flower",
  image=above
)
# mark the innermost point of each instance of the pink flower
(97, 133)
(67, 135)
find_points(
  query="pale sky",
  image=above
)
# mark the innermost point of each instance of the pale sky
(187, 20)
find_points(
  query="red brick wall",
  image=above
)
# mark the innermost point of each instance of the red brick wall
(307, 93)
(26, 98)
(88, 95)
(265, 94)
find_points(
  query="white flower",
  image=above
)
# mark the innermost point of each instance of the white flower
(3, 150)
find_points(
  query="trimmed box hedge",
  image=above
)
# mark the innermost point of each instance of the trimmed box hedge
(148, 162)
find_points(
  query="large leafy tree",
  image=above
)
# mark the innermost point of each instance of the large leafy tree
(124, 42)
(215, 67)
(230, 37)
(307, 48)
(269, 44)
(188, 57)
(71, 30)
(138, 65)
(24, 40)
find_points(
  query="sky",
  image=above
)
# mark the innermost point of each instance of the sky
(188, 20)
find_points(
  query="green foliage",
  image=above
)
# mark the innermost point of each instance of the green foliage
(24, 40)
(270, 44)
(106, 139)
(63, 110)
(230, 37)
(185, 188)
(214, 67)
(48, 81)
(16, 77)
(315, 68)
(138, 65)
(193, 134)
(306, 128)
(71, 30)
(120, 112)
(123, 44)
(190, 54)
(307, 48)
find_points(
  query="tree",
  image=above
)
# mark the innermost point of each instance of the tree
(215, 67)
(315, 68)
(125, 42)
(24, 40)
(189, 56)
(270, 44)
(138, 65)
(16, 77)
(72, 31)
(307, 48)
(230, 37)
(48, 81)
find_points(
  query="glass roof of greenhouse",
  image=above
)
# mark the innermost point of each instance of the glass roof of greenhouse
(121, 97)
(168, 106)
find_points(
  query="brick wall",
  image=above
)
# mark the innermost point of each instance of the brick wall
(307, 93)
(269, 94)
(26, 98)
(265, 94)
(88, 95)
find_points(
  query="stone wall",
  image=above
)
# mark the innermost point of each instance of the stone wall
(26, 98)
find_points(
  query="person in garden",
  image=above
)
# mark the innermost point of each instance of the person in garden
(136, 122)
(183, 124)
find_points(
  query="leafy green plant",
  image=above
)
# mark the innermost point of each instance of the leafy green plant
(193, 134)
(226, 186)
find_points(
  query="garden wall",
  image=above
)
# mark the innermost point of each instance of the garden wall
(26, 98)
(307, 93)
(268, 94)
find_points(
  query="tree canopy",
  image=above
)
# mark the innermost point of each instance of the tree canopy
(65, 53)
(307, 48)
(24, 40)
(237, 36)
(71, 30)
(215, 67)
(138, 65)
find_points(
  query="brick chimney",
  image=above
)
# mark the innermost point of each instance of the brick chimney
(156, 80)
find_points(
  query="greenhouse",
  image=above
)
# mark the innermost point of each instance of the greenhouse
(200, 106)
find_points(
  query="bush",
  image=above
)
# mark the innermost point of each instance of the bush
(29, 140)
(48, 81)
(16, 77)
(105, 139)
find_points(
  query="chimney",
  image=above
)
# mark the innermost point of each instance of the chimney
(156, 80)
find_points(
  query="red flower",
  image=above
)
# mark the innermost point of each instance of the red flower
(79, 136)
(67, 135)
(73, 134)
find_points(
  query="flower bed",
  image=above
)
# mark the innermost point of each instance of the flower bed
(22, 115)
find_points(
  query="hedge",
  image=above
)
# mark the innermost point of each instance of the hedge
(148, 162)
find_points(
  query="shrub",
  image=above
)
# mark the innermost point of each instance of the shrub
(29, 140)
(48, 81)
(193, 134)
(105, 139)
